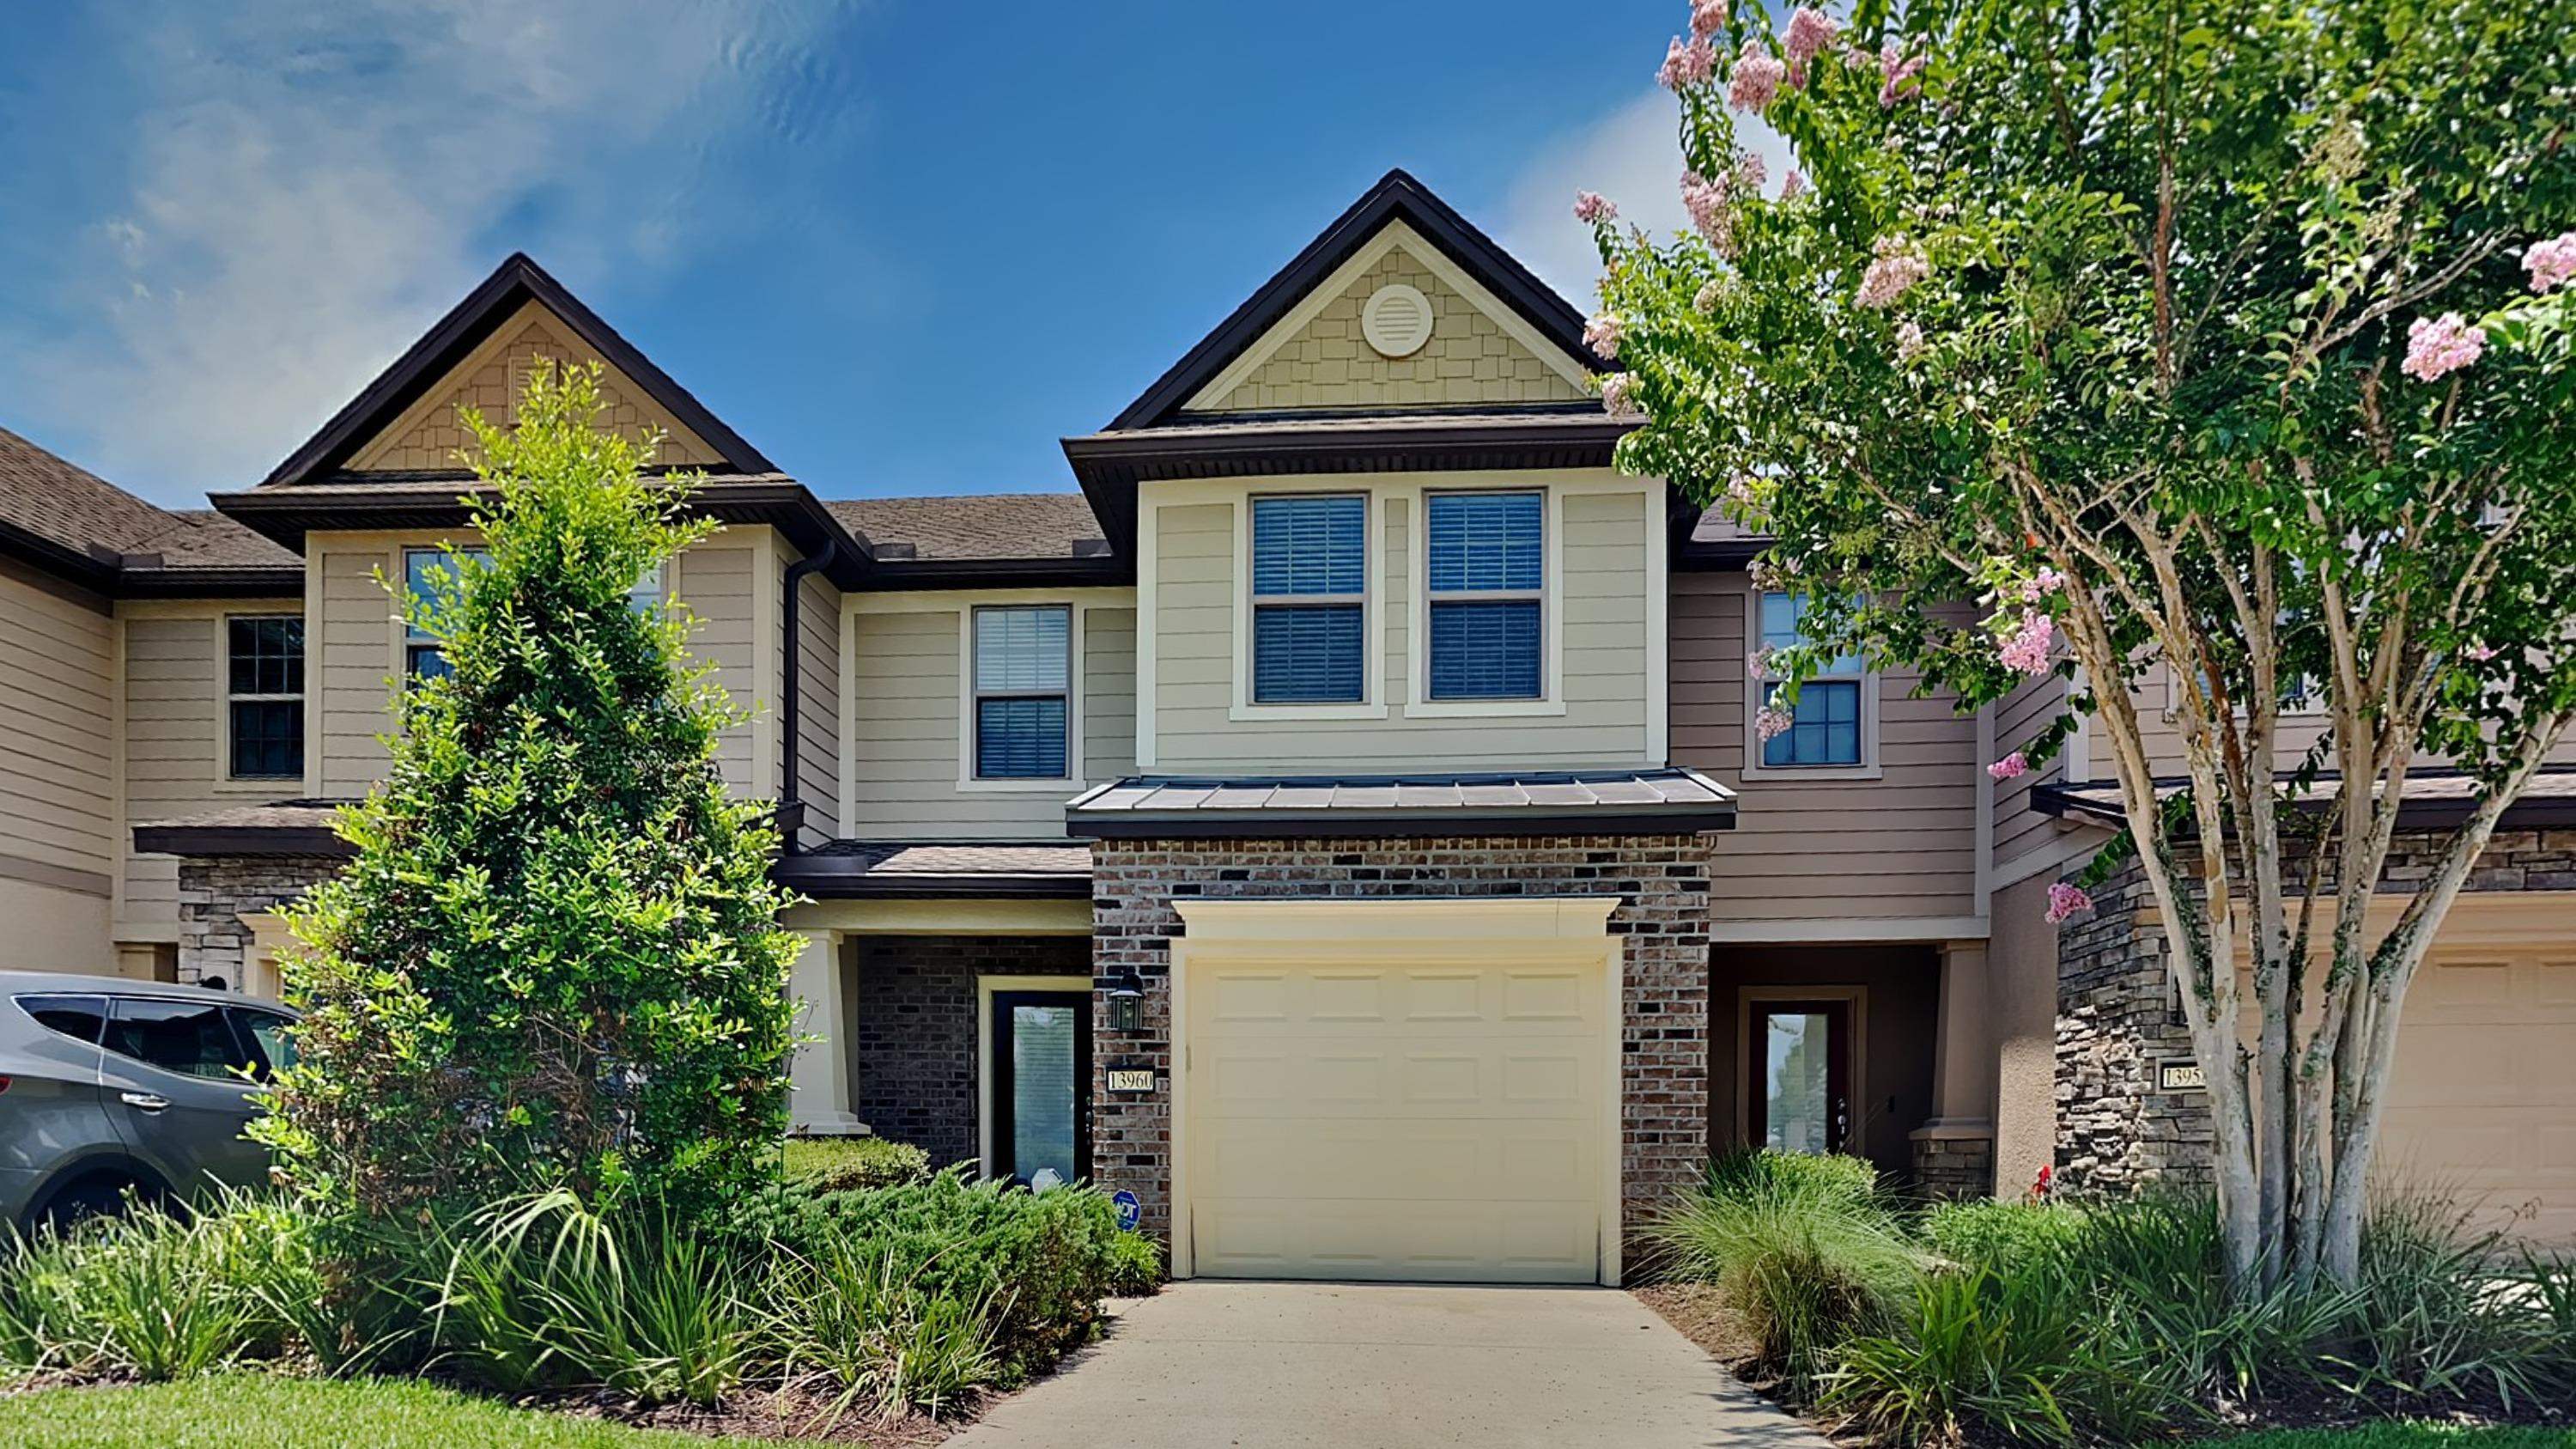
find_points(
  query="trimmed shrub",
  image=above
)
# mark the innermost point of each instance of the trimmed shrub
(2000, 1235)
(852, 1164)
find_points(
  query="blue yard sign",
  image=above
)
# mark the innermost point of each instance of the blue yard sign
(1130, 1211)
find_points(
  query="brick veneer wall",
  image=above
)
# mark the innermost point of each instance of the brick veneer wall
(1662, 881)
(2119, 1019)
(216, 892)
(913, 1046)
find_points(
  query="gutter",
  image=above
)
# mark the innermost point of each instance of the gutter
(791, 794)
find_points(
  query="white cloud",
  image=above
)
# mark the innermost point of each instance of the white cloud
(1632, 156)
(311, 184)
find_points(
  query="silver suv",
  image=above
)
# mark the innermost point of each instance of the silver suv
(109, 1086)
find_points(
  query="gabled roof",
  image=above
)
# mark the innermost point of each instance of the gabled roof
(1396, 197)
(517, 281)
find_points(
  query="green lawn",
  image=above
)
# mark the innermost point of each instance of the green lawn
(238, 1410)
(2402, 1436)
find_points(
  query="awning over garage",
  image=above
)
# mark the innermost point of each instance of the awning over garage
(1571, 802)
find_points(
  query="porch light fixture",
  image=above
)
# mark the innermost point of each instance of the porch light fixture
(1127, 1000)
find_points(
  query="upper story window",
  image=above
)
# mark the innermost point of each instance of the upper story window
(646, 596)
(264, 697)
(1486, 554)
(1826, 727)
(1023, 675)
(422, 656)
(1309, 599)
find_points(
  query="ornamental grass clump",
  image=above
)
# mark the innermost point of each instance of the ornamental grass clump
(554, 962)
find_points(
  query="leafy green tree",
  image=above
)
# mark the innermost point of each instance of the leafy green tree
(2224, 343)
(555, 960)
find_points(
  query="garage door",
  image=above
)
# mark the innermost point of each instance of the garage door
(2483, 1101)
(1398, 1119)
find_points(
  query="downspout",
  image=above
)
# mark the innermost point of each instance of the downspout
(791, 795)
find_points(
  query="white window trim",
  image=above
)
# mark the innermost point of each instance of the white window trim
(225, 780)
(1869, 767)
(2314, 707)
(1372, 701)
(1072, 779)
(1551, 614)
(985, 987)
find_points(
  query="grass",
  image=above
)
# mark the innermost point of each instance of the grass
(226, 1411)
(2400, 1436)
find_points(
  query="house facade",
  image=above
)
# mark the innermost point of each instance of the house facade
(1340, 823)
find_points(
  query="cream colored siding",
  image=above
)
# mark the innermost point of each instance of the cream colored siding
(818, 705)
(716, 581)
(1901, 845)
(173, 746)
(1610, 545)
(57, 731)
(2019, 717)
(909, 741)
(360, 656)
(1328, 364)
(1108, 696)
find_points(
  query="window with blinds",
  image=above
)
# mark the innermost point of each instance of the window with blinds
(1486, 556)
(1023, 671)
(1309, 599)
(1825, 728)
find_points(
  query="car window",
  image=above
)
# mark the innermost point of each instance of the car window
(81, 1018)
(187, 1037)
(267, 1035)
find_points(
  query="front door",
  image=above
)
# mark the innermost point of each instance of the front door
(1801, 1075)
(1041, 1084)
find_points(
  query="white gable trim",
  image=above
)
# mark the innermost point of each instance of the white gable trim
(1393, 235)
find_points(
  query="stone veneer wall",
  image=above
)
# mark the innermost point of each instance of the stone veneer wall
(913, 1048)
(216, 892)
(1955, 1168)
(2119, 1019)
(1662, 881)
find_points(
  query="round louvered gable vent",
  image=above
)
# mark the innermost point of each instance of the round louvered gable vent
(1396, 320)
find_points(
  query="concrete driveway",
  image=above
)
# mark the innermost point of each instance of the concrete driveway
(1386, 1366)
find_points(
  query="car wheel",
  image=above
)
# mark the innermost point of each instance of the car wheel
(90, 1197)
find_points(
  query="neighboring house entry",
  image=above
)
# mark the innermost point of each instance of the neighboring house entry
(1395, 1090)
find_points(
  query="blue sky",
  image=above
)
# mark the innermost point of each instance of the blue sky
(903, 247)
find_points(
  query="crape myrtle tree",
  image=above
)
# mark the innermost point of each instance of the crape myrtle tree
(555, 960)
(2227, 343)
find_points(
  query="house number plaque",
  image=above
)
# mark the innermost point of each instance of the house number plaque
(2181, 1077)
(1131, 1079)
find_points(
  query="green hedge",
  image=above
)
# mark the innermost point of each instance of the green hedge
(852, 1164)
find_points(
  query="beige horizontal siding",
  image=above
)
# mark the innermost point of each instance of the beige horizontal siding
(1902, 845)
(2019, 717)
(818, 705)
(360, 657)
(1108, 696)
(715, 580)
(57, 729)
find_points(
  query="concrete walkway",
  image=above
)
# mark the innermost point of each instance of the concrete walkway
(1386, 1366)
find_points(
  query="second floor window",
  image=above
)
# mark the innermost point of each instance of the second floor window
(264, 697)
(1486, 555)
(1023, 672)
(1826, 727)
(422, 656)
(1309, 599)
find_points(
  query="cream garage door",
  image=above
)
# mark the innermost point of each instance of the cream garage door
(2483, 1101)
(1401, 1118)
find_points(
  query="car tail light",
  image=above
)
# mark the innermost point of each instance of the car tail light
(4, 1084)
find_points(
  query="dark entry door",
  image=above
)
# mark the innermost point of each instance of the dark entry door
(1801, 1088)
(1041, 1084)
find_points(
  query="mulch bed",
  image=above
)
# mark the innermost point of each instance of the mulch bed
(762, 1415)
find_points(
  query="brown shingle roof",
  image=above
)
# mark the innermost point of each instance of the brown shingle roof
(69, 505)
(982, 526)
(203, 538)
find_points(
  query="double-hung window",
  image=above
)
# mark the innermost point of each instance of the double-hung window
(1310, 599)
(422, 656)
(1826, 727)
(264, 697)
(1023, 672)
(1486, 554)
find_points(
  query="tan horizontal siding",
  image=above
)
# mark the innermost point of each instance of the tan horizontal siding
(57, 740)
(818, 705)
(2019, 717)
(715, 581)
(906, 703)
(359, 660)
(1108, 696)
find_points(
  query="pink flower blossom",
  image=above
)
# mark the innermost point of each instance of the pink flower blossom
(1758, 74)
(1708, 17)
(2042, 584)
(2026, 652)
(1742, 491)
(1749, 172)
(1711, 210)
(1795, 186)
(1687, 65)
(1706, 298)
(1602, 335)
(1895, 266)
(2010, 767)
(2552, 264)
(2436, 347)
(1770, 724)
(1909, 342)
(1757, 663)
(1809, 33)
(1617, 399)
(1898, 83)
(2480, 652)
(1592, 206)
(2065, 900)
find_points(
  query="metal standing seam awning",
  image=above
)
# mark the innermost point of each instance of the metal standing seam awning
(1662, 801)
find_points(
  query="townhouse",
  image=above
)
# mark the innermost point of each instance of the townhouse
(1340, 823)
